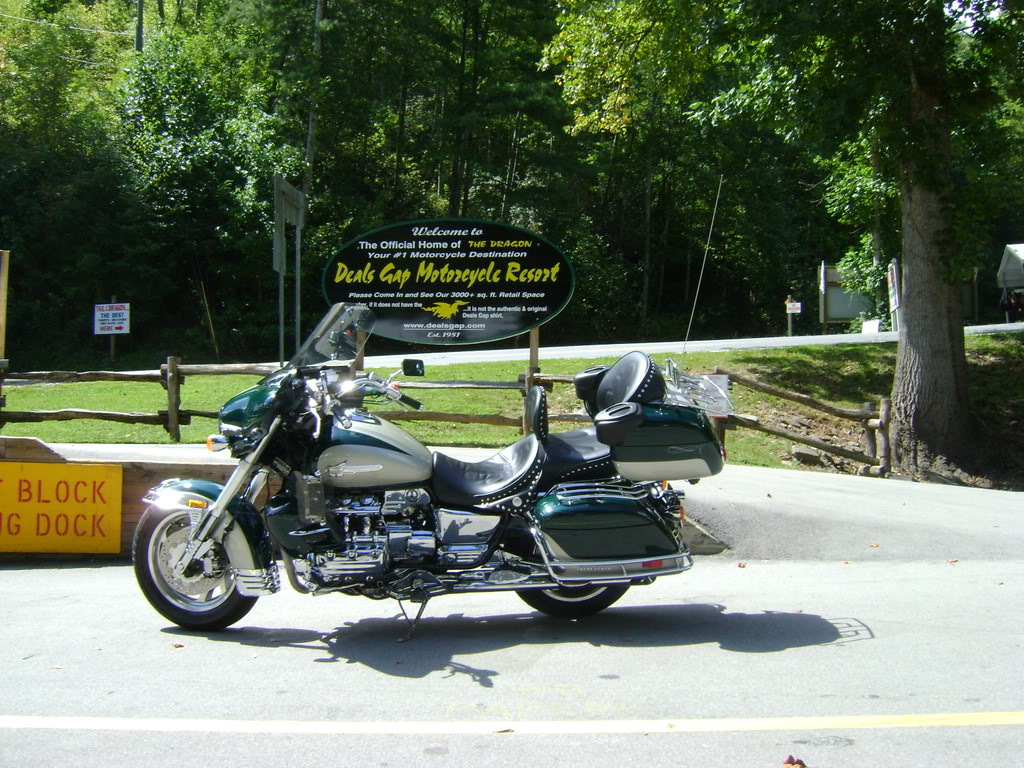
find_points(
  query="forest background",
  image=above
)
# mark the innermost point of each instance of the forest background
(606, 127)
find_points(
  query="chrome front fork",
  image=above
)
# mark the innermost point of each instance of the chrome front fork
(212, 522)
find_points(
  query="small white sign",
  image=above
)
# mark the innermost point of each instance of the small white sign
(111, 318)
(794, 307)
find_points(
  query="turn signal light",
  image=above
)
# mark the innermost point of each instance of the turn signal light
(197, 504)
(216, 443)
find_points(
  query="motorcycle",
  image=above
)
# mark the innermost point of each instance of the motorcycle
(344, 501)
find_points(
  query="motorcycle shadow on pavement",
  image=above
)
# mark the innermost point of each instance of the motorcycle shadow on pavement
(440, 640)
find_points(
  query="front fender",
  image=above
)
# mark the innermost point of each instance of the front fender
(191, 496)
(246, 542)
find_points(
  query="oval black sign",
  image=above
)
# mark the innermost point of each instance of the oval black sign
(451, 281)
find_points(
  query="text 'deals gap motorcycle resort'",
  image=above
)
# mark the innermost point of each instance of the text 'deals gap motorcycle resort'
(353, 504)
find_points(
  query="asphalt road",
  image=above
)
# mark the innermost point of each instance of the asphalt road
(856, 621)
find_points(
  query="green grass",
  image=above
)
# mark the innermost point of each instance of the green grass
(846, 375)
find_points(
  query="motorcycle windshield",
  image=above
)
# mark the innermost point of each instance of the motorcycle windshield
(339, 336)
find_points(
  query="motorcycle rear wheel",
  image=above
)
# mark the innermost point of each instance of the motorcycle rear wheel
(573, 602)
(193, 600)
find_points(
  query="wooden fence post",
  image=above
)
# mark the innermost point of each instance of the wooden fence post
(870, 443)
(883, 435)
(3, 400)
(173, 425)
(532, 369)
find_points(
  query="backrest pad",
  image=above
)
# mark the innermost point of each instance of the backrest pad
(633, 378)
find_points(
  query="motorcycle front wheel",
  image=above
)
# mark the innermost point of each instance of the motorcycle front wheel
(573, 602)
(204, 596)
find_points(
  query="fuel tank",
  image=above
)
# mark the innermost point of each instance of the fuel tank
(366, 451)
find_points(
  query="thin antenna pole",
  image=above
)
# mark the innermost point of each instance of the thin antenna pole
(707, 247)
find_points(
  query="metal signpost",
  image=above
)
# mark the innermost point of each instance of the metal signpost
(5, 265)
(290, 208)
(792, 308)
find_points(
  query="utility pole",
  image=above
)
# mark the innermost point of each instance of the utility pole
(5, 268)
(138, 26)
(289, 206)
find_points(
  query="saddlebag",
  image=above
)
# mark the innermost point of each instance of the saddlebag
(595, 522)
(660, 442)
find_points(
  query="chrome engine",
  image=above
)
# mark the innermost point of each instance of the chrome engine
(348, 538)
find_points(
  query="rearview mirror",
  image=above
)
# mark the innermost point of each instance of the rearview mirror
(412, 367)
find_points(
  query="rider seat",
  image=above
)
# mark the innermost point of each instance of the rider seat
(568, 456)
(479, 483)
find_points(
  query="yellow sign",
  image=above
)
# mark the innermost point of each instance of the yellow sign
(60, 507)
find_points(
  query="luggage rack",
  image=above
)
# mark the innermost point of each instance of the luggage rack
(701, 392)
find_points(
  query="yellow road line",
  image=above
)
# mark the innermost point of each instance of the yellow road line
(483, 727)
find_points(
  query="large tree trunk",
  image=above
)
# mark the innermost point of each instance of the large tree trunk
(931, 426)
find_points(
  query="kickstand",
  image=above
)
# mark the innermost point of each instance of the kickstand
(414, 622)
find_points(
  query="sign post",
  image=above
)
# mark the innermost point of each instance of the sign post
(792, 308)
(5, 267)
(289, 207)
(451, 281)
(111, 320)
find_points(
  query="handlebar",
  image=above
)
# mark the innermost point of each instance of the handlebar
(371, 382)
(386, 388)
(412, 402)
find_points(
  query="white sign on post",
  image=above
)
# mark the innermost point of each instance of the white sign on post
(111, 318)
(794, 307)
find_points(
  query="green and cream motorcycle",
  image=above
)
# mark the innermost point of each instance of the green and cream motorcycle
(343, 501)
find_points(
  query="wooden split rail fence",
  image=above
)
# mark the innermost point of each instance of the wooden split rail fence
(875, 423)
(171, 376)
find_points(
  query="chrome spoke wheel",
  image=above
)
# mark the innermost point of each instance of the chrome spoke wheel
(203, 597)
(203, 586)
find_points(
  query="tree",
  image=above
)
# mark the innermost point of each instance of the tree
(818, 65)
(631, 72)
(203, 150)
(64, 213)
(911, 75)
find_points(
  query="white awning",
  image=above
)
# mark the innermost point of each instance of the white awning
(1011, 268)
